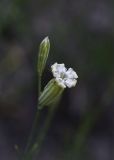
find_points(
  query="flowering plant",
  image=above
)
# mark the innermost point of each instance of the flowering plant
(62, 78)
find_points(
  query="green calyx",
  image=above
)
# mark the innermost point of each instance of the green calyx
(51, 93)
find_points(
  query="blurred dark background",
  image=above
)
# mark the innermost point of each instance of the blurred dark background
(81, 33)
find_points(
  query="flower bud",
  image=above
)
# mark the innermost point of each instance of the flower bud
(43, 55)
(51, 93)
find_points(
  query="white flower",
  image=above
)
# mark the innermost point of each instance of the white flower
(64, 78)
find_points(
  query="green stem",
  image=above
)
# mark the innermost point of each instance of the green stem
(27, 152)
(32, 135)
(35, 149)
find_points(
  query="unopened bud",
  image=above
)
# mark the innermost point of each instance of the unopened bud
(43, 55)
(51, 93)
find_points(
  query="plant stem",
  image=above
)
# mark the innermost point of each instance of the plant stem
(32, 135)
(27, 151)
(35, 149)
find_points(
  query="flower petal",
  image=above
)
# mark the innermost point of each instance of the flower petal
(70, 82)
(58, 70)
(70, 73)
